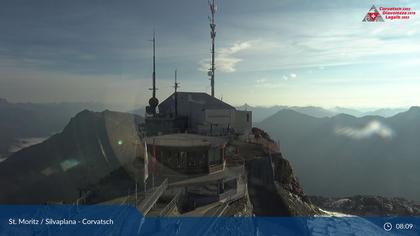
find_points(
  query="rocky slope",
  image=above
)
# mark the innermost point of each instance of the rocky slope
(368, 205)
(273, 188)
(291, 190)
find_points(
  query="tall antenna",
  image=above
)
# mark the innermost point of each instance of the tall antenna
(154, 65)
(153, 101)
(213, 9)
(176, 86)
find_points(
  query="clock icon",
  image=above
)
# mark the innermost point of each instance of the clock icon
(387, 226)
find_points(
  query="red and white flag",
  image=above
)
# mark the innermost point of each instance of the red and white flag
(146, 162)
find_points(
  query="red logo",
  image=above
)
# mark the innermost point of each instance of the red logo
(373, 15)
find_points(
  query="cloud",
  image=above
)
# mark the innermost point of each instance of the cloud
(372, 128)
(226, 60)
(261, 80)
(290, 76)
(274, 82)
(270, 83)
(329, 43)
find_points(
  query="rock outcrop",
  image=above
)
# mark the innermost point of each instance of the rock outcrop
(368, 205)
(273, 188)
(290, 189)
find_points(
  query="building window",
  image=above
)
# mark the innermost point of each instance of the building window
(191, 160)
(215, 156)
(247, 117)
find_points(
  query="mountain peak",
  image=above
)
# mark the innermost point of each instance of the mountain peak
(84, 116)
(86, 112)
(245, 106)
(412, 113)
(343, 116)
(3, 101)
(291, 113)
(414, 109)
(288, 110)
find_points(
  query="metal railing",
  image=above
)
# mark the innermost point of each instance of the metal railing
(150, 200)
(171, 205)
(215, 167)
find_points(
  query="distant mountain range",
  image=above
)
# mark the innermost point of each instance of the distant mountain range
(345, 155)
(92, 146)
(20, 122)
(260, 113)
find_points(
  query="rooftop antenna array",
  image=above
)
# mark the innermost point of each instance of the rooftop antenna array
(213, 9)
(153, 101)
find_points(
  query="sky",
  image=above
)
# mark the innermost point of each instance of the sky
(269, 52)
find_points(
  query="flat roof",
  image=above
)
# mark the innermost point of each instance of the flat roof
(186, 140)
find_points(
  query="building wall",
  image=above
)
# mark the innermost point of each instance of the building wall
(225, 120)
(157, 126)
(217, 121)
(207, 114)
(242, 122)
(219, 116)
(186, 107)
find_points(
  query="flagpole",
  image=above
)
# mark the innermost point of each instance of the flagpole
(146, 166)
(153, 164)
(136, 175)
(136, 193)
(145, 186)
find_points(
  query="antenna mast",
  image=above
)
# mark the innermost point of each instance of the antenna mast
(154, 65)
(176, 86)
(153, 101)
(213, 9)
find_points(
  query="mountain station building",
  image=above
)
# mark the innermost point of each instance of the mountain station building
(199, 113)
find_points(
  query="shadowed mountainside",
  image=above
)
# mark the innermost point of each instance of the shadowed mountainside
(90, 147)
(26, 120)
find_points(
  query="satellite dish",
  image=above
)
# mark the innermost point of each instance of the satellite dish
(153, 102)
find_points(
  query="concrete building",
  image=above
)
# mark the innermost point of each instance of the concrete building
(197, 168)
(199, 113)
